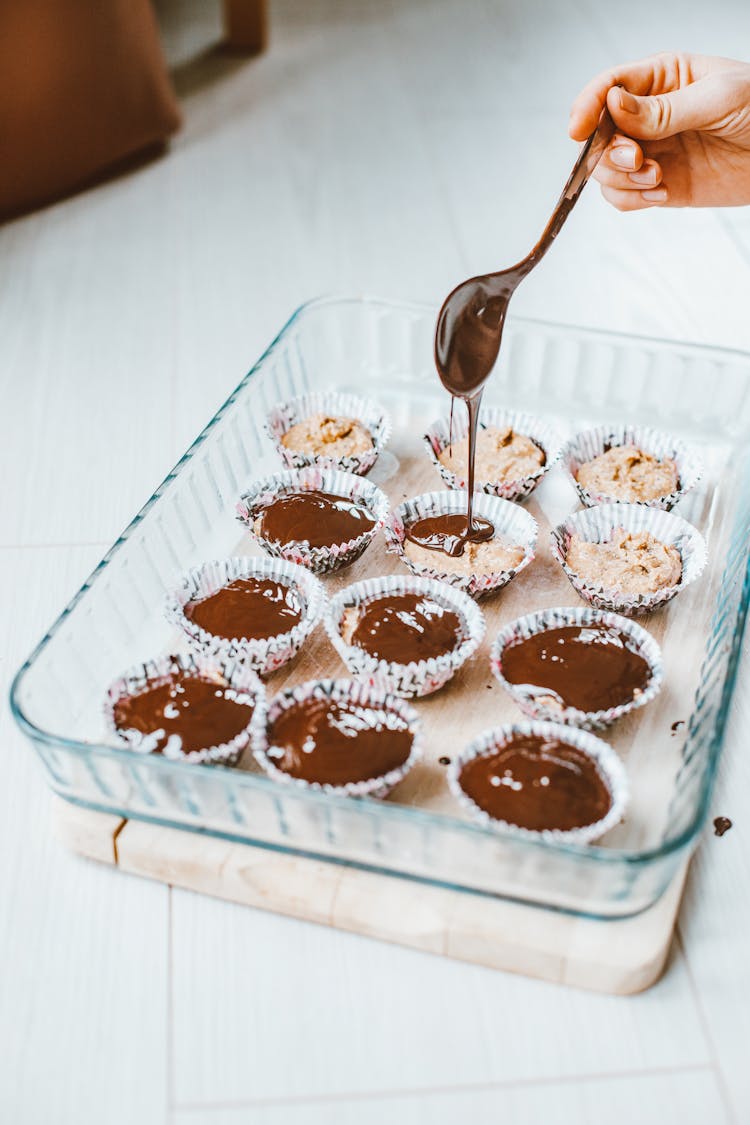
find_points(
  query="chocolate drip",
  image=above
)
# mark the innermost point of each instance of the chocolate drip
(193, 709)
(537, 783)
(337, 743)
(321, 518)
(406, 627)
(588, 667)
(722, 824)
(471, 321)
(446, 533)
(253, 608)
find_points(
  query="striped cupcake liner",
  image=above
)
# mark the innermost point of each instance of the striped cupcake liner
(596, 525)
(511, 523)
(438, 438)
(416, 678)
(539, 702)
(263, 656)
(608, 765)
(239, 680)
(589, 444)
(378, 705)
(320, 560)
(333, 404)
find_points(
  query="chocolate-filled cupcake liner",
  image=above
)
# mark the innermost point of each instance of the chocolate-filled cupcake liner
(233, 675)
(608, 765)
(439, 436)
(538, 702)
(321, 560)
(347, 691)
(333, 404)
(511, 523)
(596, 525)
(263, 656)
(589, 444)
(416, 678)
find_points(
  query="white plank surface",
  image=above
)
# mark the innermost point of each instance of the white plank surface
(349, 158)
(690, 1097)
(83, 983)
(359, 1016)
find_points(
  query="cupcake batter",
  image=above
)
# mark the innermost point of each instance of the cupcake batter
(429, 542)
(502, 455)
(628, 473)
(324, 436)
(630, 562)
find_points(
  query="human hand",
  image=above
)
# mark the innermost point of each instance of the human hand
(683, 131)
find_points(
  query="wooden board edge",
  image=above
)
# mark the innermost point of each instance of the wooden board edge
(619, 957)
(89, 833)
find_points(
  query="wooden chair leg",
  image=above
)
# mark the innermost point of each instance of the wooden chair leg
(246, 24)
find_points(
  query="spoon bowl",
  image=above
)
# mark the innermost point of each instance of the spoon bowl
(470, 323)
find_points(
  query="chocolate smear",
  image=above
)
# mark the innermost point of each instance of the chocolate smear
(192, 711)
(588, 667)
(250, 608)
(537, 783)
(321, 518)
(335, 743)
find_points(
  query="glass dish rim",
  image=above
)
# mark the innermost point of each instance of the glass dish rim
(412, 814)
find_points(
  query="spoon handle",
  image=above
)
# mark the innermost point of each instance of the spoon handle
(588, 158)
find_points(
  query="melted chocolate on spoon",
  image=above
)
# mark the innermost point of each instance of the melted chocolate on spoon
(253, 608)
(193, 709)
(335, 743)
(405, 627)
(537, 783)
(470, 323)
(586, 667)
(319, 517)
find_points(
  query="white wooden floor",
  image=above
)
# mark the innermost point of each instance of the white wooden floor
(350, 158)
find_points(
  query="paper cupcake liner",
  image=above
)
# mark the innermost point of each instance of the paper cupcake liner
(511, 523)
(263, 656)
(595, 525)
(340, 690)
(321, 560)
(537, 702)
(232, 674)
(418, 677)
(336, 404)
(608, 765)
(589, 444)
(438, 437)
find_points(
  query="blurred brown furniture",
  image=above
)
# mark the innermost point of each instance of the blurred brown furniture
(246, 24)
(84, 87)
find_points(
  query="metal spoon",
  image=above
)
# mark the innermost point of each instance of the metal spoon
(470, 323)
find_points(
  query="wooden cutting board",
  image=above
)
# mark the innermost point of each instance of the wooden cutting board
(621, 957)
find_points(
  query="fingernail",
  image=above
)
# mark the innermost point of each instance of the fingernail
(647, 175)
(628, 102)
(623, 156)
(658, 195)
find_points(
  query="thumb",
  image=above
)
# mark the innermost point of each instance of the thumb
(661, 115)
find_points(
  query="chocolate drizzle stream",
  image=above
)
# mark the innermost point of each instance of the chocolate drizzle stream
(470, 324)
(537, 783)
(405, 627)
(250, 608)
(337, 743)
(322, 518)
(446, 532)
(587, 667)
(194, 709)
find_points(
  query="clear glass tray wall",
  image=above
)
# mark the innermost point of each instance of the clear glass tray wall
(384, 349)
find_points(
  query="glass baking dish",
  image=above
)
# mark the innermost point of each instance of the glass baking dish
(574, 376)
